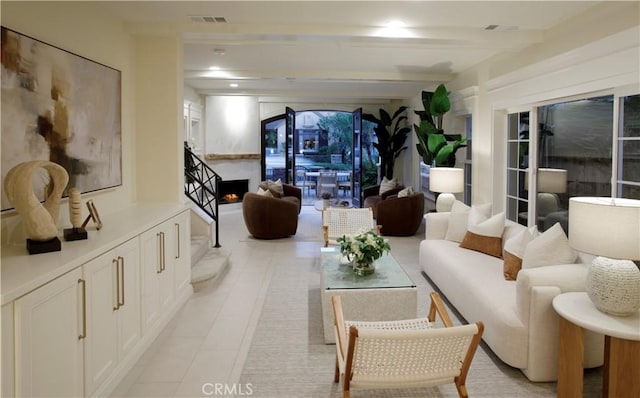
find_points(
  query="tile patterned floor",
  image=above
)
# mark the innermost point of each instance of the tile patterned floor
(207, 341)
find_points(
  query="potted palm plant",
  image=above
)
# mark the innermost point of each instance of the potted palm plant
(434, 146)
(391, 137)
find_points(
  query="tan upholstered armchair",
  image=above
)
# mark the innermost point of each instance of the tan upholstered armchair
(272, 218)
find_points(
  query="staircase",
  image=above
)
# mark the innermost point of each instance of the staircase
(208, 263)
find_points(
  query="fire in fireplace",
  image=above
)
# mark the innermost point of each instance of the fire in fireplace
(232, 191)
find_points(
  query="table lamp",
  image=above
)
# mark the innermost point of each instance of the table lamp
(610, 228)
(552, 180)
(446, 181)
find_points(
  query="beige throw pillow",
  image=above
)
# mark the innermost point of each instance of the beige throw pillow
(484, 234)
(387, 185)
(277, 191)
(405, 192)
(550, 248)
(458, 219)
(513, 252)
(264, 192)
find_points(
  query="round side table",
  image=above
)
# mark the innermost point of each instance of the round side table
(621, 347)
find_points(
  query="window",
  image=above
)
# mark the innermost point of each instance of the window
(628, 165)
(517, 164)
(467, 162)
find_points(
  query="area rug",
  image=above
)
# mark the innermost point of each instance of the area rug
(288, 357)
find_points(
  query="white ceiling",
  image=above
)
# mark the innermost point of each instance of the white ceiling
(339, 48)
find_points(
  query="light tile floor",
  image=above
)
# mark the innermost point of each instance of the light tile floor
(208, 340)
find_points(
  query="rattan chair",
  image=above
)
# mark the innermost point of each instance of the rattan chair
(337, 222)
(403, 354)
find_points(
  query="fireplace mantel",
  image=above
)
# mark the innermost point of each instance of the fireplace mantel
(232, 156)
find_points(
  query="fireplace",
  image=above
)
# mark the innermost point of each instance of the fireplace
(232, 191)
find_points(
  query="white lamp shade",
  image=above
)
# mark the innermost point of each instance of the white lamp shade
(446, 179)
(549, 180)
(605, 226)
(552, 180)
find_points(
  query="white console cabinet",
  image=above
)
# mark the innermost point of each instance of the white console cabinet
(75, 322)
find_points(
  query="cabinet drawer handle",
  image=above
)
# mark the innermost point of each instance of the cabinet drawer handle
(160, 251)
(121, 264)
(178, 240)
(115, 262)
(163, 263)
(84, 309)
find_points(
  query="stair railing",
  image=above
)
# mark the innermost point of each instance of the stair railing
(201, 186)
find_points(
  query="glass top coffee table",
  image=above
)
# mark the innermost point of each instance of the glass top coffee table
(386, 295)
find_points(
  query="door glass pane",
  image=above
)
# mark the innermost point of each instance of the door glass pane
(517, 164)
(274, 149)
(575, 151)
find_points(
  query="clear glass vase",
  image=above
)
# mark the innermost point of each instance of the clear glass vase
(364, 268)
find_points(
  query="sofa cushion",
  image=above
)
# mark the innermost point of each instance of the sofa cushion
(514, 251)
(550, 248)
(474, 285)
(484, 234)
(458, 219)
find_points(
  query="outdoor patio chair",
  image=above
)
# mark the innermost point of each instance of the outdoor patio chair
(327, 182)
(337, 222)
(403, 354)
(344, 184)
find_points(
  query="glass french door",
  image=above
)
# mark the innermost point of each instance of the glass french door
(283, 144)
(356, 156)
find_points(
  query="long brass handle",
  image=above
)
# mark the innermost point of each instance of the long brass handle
(84, 309)
(160, 250)
(178, 240)
(115, 262)
(122, 290)
(163, 264)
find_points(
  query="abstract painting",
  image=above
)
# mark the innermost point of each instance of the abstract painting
(61, 107)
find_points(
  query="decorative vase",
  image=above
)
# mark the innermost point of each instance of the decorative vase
(325, 204)
(363, 268)
(614, 286)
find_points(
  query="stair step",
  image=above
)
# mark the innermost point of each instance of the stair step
(199, 246)
(209, 268)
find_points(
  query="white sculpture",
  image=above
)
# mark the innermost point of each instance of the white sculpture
(75, 208)
(39, 220)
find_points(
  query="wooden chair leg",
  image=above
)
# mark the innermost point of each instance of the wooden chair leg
(336, 375)
(462, 389)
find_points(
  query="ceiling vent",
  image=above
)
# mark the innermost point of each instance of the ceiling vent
(207, 19)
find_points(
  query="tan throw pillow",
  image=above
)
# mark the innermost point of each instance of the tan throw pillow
(484, 235)
(277, 191)
(513, 252)
(405, 192)
(387, 185)
(264, 192)
(458, 219)
(550, 248)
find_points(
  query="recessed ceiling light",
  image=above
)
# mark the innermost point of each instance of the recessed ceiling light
(234, 85)
(394, 24)
(213, 67)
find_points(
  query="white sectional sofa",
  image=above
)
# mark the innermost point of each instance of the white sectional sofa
(521, 326)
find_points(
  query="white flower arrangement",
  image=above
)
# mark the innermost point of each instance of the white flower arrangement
(363, 248)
